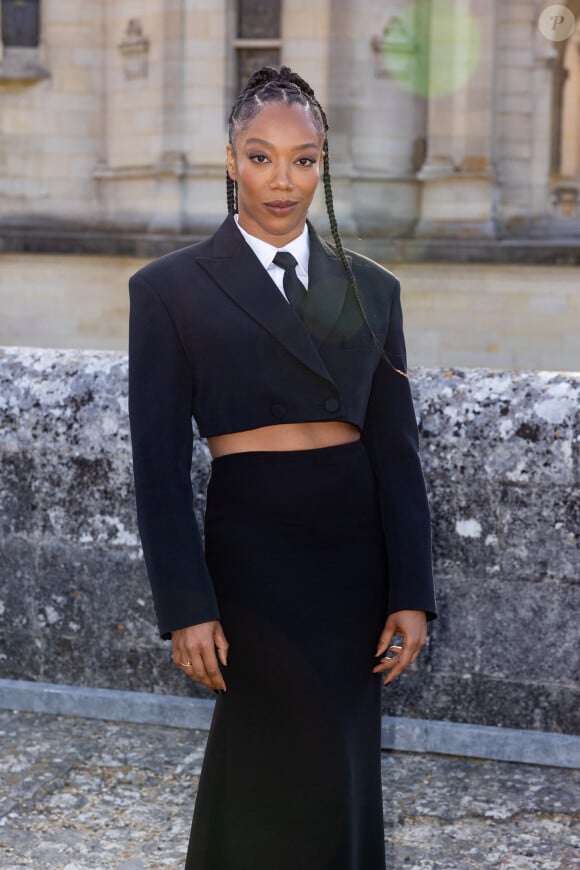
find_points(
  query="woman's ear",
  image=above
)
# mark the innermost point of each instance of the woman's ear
(231, 162)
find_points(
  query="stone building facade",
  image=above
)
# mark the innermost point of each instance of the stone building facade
(455, 136)
(449, 118)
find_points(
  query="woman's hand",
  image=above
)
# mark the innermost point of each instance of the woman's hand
(412, 626)
(194, 652)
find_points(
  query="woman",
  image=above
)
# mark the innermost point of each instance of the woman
(290, 356)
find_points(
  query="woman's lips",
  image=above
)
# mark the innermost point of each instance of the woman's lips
(280, 207)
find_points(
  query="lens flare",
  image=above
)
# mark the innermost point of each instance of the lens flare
(432, 48)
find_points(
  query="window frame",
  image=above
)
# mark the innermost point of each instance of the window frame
(241, 44)
(21, 63)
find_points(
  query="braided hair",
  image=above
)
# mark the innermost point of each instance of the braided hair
(285, 86)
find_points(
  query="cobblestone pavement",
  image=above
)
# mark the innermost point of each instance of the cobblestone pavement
(80, 794)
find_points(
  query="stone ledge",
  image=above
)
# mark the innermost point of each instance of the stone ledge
(29, 74)
(398, 733)
(43, 238)
(21, 65)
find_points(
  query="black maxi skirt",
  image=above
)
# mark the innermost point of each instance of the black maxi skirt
(291, 774)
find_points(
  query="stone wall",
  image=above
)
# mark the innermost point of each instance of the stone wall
(501, 457)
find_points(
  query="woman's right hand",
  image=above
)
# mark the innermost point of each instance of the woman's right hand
(194, 652)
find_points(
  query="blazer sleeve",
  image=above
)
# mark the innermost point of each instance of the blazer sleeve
(160, 413)
(391, 438)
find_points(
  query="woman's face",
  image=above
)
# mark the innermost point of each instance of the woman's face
(276, 161)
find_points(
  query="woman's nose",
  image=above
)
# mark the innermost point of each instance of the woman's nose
(281, 179)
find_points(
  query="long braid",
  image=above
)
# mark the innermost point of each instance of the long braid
(329, 199)
(271, 85)
(231, 194)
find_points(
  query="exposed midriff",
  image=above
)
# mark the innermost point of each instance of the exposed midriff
(284, 436)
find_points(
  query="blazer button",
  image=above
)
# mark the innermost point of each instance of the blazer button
(278, 411)
(332, 404)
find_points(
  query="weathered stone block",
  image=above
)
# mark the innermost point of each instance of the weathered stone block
(482, 700)
(18, 502)
(513, 427)
(92, 500)
(553, 551)
(17, 611)
(465, 521)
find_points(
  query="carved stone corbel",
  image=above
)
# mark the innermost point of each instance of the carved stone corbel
(135, 50)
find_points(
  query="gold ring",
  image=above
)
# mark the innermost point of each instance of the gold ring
(185, 664)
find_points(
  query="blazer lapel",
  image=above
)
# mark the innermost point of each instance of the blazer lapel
(236, 269)
(327, 286)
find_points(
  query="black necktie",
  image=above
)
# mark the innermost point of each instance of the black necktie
(293, 287)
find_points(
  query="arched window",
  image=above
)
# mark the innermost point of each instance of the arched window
(257, 41)
(20, 23)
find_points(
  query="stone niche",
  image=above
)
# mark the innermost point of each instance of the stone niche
(134, 48)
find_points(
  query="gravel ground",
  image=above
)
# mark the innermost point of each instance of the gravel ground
(81, 794)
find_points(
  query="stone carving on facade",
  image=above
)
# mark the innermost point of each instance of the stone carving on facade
(565, 199)
(135, 50)
(394, 51)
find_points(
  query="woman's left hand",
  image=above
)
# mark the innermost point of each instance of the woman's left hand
(412, 626)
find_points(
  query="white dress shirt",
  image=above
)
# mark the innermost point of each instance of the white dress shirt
(265, 252)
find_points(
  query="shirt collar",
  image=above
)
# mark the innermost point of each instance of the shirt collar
(265, 252)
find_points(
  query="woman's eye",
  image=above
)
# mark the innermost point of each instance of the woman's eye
(306, 161)
(258, 158)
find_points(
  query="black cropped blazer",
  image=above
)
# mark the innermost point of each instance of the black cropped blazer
(211, 337)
